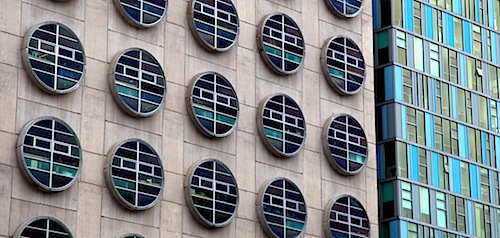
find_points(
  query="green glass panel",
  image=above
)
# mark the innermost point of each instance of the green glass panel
(124, 184)
(336, 72)
(383, 39)
(357, 158)
(273, 133)
(226, 119)
(293, 58)
(203, 112)
(65, 170)
(294, 224)
(128, 196)
(387, 192)
(37, 164)
(272, 50)
(127, 91)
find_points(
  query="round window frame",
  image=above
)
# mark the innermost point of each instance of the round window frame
(260, 211)
(133, 21)
(29, 69)
(326, 146)
(23, 226)
(341, 14)
(262, 52)
(328, 210)
(111, 185)
(200, 40)
(22, 164)
(262, 134)
(189, 200)
(326, 73)
(112, 85)
(190, 109)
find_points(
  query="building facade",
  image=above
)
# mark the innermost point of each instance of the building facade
(438, 151)
(104, 130)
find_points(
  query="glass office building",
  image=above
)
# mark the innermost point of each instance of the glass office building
(437, 75)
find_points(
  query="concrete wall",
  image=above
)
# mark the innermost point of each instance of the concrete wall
(87, 208)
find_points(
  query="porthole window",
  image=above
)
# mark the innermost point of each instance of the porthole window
(137, 82)
(214, 23)
(49, 154)
(345, 145)
(43, 227)
(346, 217)
(213, 104)
(281, 209)
(343, 65)
(281, 125)
(281, 43)
(142, 13)
(345, 8)
(211, 193)
(132, 236)
(54, 58)
(135, 174)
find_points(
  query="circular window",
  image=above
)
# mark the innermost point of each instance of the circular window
(213, 104)
(142, 13)
(343, 65)
(214, 23)
(211, 193)
(345, 145)
(281, 125)
(346, 217)
(54, 57)
(49, 154)
(43, 227)
(137, 82)
(282, 209)
(281, 43)
(132, 236)
(135, 174)
(345, 8)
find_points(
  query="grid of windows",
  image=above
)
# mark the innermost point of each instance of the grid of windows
(135, 174)
(54, 57)
(142, 13)
(281, 209)
(281, 125)
(343, 65)
(214, 23)
(441, 79)
(213, 104)
(345, 144)
(137, 82)
(212, 193)
(43, 227)
(49, 154)
(281, 43)
(346, 217)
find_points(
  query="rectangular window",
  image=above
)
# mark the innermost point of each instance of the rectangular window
(494, 117)
(485, 184)
(417, 18)
(493, 81)
(483, 112)
(496, 15)
(461, 105)
(438, 133)
(425, 212)
(434, 63)
(418, 52)
(398, 13)
(411, 124)
(422, 165)
(444, 173)
(465, 178)
(441, 209)
(447, 136)
(401, 45)
(476, 35)
(460, 214)
(437, 25)
(468, 104)
(422, 91)
(406, 196)
(454, 138)
(412, 230)
(496, 187)
(488, 45)
(471, 73)
(457, 23)
(407, 86)
(402, 160)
